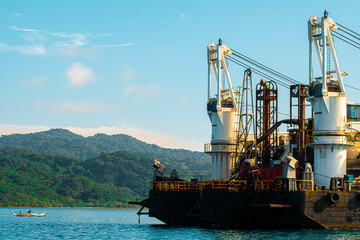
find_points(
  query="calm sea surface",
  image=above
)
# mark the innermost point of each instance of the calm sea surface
(123, 224)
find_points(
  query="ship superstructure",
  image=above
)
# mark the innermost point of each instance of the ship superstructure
(261, 177)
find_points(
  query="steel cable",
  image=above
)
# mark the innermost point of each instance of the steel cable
(236, 61)
(262, 66)
(348, 29)
(345, 41)
(336, 33)
(244, 65)
(349, 33)
(352, 87)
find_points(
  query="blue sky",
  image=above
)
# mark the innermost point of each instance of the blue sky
(139, 67)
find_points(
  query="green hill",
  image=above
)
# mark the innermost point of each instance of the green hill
(109, 180)
(65, 143)
(60, 168)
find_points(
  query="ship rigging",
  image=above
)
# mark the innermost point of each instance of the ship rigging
(262, 178)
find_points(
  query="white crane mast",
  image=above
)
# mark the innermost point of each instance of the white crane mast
(328, 99)
(222, 110)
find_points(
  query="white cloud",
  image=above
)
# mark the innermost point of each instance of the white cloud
(18, 14)
(23, 29)
(79, 75)
(56, 39)
(74, 39)
(37, 49)
(36, 82)
(30, 34)
(129, 90)
(84, 107)
(68, 44)
(114, 45)
(128, 75)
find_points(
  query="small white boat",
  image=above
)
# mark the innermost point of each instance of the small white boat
(40, 214)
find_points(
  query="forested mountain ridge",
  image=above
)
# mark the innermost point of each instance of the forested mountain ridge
(61, 169)
(61, 142)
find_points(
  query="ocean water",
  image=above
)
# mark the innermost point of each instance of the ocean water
(123, 224)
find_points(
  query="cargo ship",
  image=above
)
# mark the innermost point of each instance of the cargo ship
(306, 177)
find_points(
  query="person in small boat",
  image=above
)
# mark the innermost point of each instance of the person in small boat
(29, 211)
(20, 212)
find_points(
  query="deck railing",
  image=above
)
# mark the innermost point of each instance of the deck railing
(214, 185)
(196, 185)
(230, 185)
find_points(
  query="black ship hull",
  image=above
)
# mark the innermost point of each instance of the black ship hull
(257, 209)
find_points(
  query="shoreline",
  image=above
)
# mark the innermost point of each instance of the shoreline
(75, 207)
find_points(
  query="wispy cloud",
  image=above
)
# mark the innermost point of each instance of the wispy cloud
(36, 49)
(71, 51)
(30, 34)
(139, 92)
(7, 129)
(23, 29)
(73, 39)
(129, 74)
(17, 14)
(36, 82)
(129, 90)
(114, 45)
(84, 107)
(79, 75)
(68, 44)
